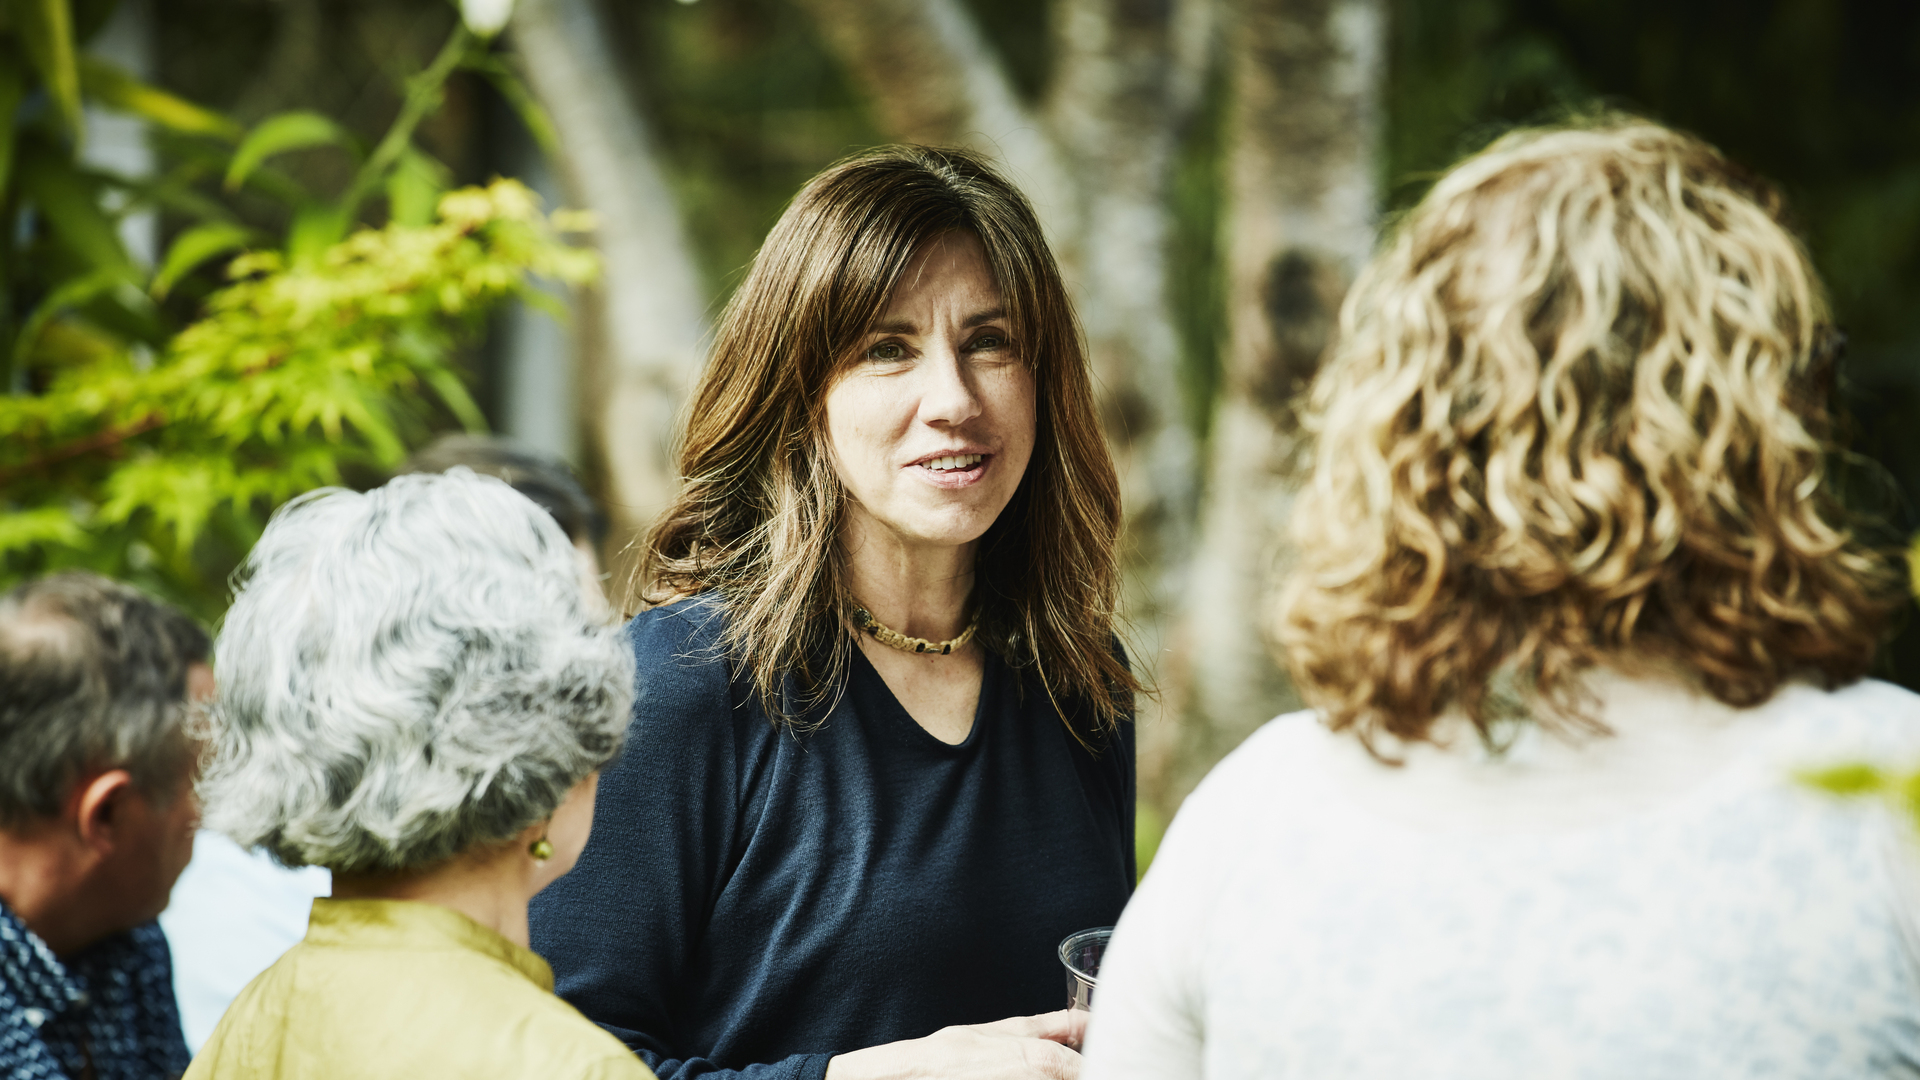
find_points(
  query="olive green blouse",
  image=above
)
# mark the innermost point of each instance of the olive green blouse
(394, 988)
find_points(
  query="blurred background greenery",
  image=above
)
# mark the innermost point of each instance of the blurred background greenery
(742, 100)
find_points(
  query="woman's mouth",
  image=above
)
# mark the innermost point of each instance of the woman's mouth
(953, 470)
(953, 462)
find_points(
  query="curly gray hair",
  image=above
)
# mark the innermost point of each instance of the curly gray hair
(407, 674)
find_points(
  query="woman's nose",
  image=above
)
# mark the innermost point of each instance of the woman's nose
(947, 396)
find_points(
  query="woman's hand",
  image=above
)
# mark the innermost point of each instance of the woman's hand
(1019, 1048)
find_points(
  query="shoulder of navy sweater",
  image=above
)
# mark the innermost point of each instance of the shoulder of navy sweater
(688, 629)
(677, 649)
(682, 705)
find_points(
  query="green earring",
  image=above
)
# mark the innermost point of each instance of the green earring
(541, 849)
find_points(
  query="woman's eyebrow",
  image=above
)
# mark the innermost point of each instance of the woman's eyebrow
(906, 326)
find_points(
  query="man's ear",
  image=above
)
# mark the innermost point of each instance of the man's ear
(102, 808)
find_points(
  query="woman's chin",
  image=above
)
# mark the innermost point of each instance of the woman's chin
(939, 527)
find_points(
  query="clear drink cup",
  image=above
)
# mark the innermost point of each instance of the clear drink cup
(1080, 954)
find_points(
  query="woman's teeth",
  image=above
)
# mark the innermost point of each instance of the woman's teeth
(953, 461)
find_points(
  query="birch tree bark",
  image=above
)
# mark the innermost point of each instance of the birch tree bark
(1300, 222)
(1127, 79)
(1096, 160)
(642, 326)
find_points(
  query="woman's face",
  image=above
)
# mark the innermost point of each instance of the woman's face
(932, 426)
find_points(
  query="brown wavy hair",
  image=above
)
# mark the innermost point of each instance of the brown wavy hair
(757, 520)
(1579, 412)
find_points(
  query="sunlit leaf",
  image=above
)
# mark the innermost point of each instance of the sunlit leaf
(454, 393)
(196, 246)
(113, 87)
(296, 370)
(179, 492)
(514, 89)
(41, 525)
(316, 228)
(127, 311)
(278, 134)
(69, 295)
(77, 349)
(197, 159)
(414, 188)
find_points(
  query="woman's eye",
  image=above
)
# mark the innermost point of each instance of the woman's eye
(887, 350)
(987, 343)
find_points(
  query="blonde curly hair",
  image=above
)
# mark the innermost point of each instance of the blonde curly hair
(1579, 411)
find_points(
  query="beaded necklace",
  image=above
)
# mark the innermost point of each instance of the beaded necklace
(894, 638)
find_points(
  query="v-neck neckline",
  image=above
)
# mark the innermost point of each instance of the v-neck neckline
(892, 701)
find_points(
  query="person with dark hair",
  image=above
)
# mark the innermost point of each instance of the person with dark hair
(888, 724)
(544, 479)
(97, 817)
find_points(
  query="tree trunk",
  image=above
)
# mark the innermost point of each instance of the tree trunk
(1126, 81)
(643, 324)
(1302, 196)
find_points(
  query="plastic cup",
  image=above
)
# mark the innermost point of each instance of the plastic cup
(1080, 954)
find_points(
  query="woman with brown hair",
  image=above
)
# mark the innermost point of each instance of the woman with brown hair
(1574, 602)
(889, 749)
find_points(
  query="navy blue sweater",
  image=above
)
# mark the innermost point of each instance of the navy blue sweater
(754, 901)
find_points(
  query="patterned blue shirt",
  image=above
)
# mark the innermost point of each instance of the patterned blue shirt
(107, 1014)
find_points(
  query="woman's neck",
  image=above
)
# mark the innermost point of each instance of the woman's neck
(918, 590)
(491, 889)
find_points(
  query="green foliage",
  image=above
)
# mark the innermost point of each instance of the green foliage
(192, 248)
(115, 89)
(278, 134)
(150, 419)
(61, 254)
(296, 370)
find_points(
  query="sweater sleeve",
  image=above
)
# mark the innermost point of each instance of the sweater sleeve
(1147, 1021)
(620, 930)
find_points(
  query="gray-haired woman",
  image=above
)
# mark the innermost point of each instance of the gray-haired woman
(417, 693)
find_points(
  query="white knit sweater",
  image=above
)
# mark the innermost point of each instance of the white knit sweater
(1666, 901)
